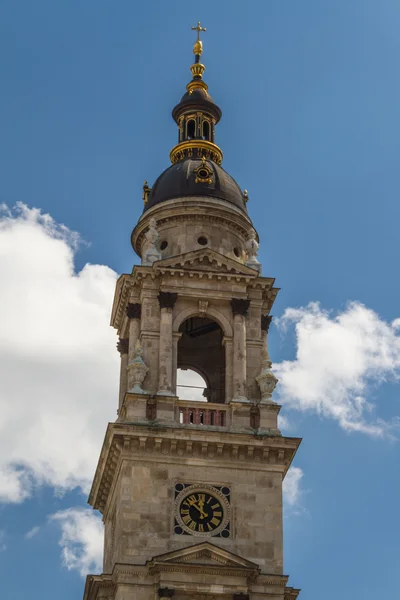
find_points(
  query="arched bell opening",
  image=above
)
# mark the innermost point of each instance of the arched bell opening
(200, 348)
(206, 131)
(191, 129)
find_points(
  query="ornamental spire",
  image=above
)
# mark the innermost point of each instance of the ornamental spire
(198, 45)
(197, 69)
(196, 116)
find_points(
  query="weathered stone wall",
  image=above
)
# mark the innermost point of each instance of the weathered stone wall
(144, 509)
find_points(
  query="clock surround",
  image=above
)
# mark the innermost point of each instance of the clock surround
(202, 510)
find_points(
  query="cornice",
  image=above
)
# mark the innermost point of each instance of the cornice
(160, 274)
(127, 441)
(96, 584)
(291, 593)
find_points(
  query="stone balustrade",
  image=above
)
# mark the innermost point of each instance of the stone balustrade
(202, 413)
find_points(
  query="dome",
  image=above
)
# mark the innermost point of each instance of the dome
(188, 178)
(200, 99)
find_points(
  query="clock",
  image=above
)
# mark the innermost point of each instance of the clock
(202, 510)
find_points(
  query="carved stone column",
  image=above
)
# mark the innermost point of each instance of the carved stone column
(134, 313)
(167, 302)
(228, 344)
(239, 310)
(123, 347)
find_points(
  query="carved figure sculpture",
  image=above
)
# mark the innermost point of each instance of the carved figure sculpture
(151, 251)
(252, 250)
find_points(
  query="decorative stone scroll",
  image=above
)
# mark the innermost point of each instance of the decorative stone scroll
(133, 310)
(167, 299)
(137, 371)
(123, 345)
(240, 306)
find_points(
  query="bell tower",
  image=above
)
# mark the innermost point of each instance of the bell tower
(190, 491)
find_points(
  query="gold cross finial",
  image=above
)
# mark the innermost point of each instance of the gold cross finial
(198, 29)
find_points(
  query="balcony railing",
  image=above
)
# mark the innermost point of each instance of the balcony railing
(202, 413)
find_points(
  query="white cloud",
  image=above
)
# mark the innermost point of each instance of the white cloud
(81, 540)
(58, 361)
(339, 359)
(190, 385)
(292, 486)
(32, 532)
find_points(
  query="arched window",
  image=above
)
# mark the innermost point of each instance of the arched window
(200, 349)
(191, 129)
(190, 385)
(206, 130)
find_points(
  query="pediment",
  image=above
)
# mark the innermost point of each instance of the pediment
(205, 554)
(205, 259)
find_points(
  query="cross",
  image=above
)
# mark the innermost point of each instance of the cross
(198, 29)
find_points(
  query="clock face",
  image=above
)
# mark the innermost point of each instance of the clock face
(202, 510)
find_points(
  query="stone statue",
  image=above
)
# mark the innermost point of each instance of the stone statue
(137, 371)
(252, 250)
(266, 380)
(151, 252)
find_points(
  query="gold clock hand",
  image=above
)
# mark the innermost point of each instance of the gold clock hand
(203, 514)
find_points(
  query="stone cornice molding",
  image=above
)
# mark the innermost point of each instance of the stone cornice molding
(122, 292)
(187, 561)
(143, 276)
(124, 441)
(206, 259)
(291, 593)
(96, 584)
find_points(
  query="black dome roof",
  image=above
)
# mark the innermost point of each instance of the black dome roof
(179, 180)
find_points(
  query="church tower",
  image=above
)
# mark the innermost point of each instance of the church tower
(191, 492)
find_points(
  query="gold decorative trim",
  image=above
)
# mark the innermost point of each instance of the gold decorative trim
(196, 149)
(197, 69)
(203, 173)
(193, 85)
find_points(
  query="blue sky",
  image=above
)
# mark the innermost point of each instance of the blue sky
(310, 93)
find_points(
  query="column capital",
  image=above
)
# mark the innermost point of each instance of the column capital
(240, 306)
(167, 299)
(123, 345)
(133, 310)
(165, 593)
(265, 322)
